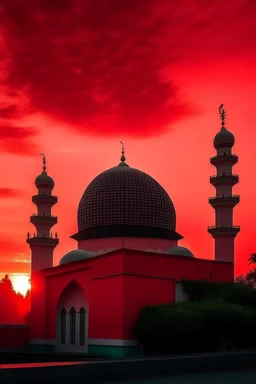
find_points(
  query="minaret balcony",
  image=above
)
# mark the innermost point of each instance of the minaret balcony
(220, 159)
(224, 179)
(49, 200)
(224, 230)
(224, 200)
(42, 241)
(42, 219)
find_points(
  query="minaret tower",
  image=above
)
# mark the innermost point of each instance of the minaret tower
(42, 242)
(224, 232)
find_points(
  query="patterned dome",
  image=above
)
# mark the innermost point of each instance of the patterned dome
(124, 201)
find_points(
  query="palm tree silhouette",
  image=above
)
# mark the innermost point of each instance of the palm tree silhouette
(252, 259)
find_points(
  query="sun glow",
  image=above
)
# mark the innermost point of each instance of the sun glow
(21, 283)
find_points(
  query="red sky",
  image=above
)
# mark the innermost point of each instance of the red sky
(79, 76)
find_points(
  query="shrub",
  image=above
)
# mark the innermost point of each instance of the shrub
(202, 290)
(194, 326)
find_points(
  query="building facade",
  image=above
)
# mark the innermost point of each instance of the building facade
(127, 257)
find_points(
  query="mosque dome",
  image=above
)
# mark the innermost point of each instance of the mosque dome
(180, 251)
(224, 138)
(76, 254)
(43, 180)
(125, 202)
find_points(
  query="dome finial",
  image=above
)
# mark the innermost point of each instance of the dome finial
(222, 115)
(123, 158)
(44, 162)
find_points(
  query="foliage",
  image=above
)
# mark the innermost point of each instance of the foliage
(13, 306)
(252, 258)
(194, 326)
(202, 290)
(249, 280)
(215, 317)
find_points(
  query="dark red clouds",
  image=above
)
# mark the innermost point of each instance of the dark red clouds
(17, 139)
(9, 193)
(99, 65)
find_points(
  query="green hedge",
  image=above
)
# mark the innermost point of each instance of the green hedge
(202, 290)
(195, 327)
(218, 316)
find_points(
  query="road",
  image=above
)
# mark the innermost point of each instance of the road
(225, 377)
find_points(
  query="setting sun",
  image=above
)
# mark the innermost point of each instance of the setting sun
(21, 283)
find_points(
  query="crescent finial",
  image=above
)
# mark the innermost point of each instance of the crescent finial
(123, 158)
(44, 161)
(222, 114)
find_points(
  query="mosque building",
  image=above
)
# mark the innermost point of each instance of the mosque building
(127, 256)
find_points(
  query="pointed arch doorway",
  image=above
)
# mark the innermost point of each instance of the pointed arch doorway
(72, 320)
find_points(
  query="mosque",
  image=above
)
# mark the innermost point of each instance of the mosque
(127, 256)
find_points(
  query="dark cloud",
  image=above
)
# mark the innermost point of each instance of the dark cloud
(17, 140)
(9, 193)
(98, 65)
(9, 111)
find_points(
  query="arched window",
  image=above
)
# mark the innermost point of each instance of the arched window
(72, 317)
(63, 322)
(82, 326)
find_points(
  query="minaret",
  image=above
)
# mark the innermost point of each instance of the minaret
(224, 232)
(42, 242)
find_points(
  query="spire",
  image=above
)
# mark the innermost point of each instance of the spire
(44, 164)
(222, 116)
(123, 158)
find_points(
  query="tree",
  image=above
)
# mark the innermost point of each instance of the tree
(249, 280)
(252, 258)
(13, 306)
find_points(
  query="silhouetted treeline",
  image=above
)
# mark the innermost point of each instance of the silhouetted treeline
(13, 306)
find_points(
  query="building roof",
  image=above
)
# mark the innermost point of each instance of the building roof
(224, 138)
(124, 201)
(178, 250)
(75, 255)
(44, 180)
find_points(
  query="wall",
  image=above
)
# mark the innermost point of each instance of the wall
(14, 337)
(116, 286)
(151, 279)
(224, 248)
(38, 306)
(180, 294)
(140, 291)
(103, 293)
(127, 243)
(177, 267)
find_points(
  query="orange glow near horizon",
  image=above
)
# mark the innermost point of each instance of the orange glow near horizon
(162, 104)
(20, 283)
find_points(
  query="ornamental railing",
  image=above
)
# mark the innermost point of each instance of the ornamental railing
(224, 197)
(47, 216)
(36, 236)
(224, 156)
(223, 175)
(224, 227)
